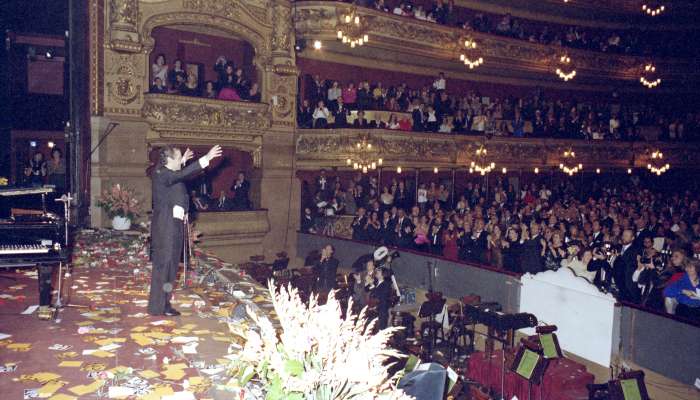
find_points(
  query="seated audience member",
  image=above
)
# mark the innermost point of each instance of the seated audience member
(340, 114)
(176, 71)
(210, 90)
(305, 115)
(191, 87)
(253, 94)
(320, 115)
(418, 119)
(179, 87)
(220, 68)
(601, 268)
(335, 92)
(308, 223)
(223, 203)
(241, 190)
(578, 260)
(200, 202)
(361, 121)
(241, 84)
(393, 122)
(36, 169)
(403, 233)
(159, 69)
(158, 86)
(686, 292)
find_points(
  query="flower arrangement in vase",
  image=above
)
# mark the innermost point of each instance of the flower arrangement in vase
(121, 205)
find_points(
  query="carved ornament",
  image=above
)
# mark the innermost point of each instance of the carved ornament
(123, 26)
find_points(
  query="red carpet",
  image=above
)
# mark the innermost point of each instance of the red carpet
(563, 380)
(110, 340)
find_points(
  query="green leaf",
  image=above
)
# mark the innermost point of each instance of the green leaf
(294, 367)
(274, 389)
(247, 374)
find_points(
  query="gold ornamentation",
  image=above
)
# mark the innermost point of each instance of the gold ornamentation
(123, 26)
(167, 109)
(123, 90)
(282, 29)
(123, 12)
(228, 9)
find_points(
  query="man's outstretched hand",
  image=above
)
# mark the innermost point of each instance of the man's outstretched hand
(187, 156)
(214, 152)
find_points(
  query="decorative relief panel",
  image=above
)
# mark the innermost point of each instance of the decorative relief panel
(178, 110)
(123, 79)
(331, 148)
(281, 35)
(123, 22)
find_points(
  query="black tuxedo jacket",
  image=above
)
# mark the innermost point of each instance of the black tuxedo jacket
(358, 228)
(623, 269)
(531, 256)
(241, 192)
(325, 272)
(169, 191)
(404, 238)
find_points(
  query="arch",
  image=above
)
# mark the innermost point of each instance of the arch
(256, 38)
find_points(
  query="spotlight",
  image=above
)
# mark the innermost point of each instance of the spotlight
(398, 169)
(317, 45)
(50, 144)
(32, 143)
(49, 54)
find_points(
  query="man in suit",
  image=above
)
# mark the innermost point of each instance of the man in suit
(417, 116)
(241, 190)
(476, 243)
(325, 270)
(531, 251)
(643, 232)
(597, 235)
(358, 225)
(624, 266)
(435, 231)
(361, 121)
(170, 205)
(340, 115)
(404, 230)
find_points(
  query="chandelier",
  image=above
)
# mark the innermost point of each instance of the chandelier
(653, 9)
(365, 156)
(647, 78)
(656, 163)
(481, 164)
(568, 164)
(351, 30)
(564, 70)
(468, 55)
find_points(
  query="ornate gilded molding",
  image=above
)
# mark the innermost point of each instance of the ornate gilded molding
(163, 109)
(123, 23)
(330, 148)
(318, 20)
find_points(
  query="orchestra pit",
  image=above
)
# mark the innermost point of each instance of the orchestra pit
(350, 200)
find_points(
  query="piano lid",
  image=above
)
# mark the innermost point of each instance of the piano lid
(24, 191)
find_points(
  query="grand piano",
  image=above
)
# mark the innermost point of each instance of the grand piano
(31, 236)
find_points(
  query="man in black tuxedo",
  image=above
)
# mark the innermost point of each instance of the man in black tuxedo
(404, 230)
(325, 270)
(361, 121)
(417, 116)
(531, 251)
(624, 266)
(476, 243)
(642, 232)
(340, 115)
(241, 190)
(170, 205)
(358, 225)
(323, 183)
(597, 236)
(435, 231)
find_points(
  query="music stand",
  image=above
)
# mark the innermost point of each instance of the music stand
(549, 342)
(429, 309)
(529, 364)
(628, 386)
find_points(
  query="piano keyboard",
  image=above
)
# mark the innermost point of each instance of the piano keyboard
(24, 249)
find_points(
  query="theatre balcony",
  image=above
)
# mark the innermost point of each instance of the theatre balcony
(410, 45)
(324, 148)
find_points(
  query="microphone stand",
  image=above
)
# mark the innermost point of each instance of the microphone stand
(65, 199)
(185, 248)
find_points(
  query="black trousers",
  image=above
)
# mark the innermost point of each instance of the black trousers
(45, 272)
(165, 266)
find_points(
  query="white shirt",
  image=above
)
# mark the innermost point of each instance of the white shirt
(439, 84)
(321, 113)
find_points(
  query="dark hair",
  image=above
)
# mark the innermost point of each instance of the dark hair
(164, 153)
(165, 60)
(56, 150)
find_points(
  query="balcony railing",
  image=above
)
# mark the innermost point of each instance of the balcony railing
(317, 148)
(173, 113)
(318, 20)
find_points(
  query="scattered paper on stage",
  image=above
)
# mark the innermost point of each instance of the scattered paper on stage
(72, 364)
(30, 310)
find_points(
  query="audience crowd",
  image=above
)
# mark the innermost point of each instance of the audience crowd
(629, 41)
(231, 82)
(435, 108)
(637, 242)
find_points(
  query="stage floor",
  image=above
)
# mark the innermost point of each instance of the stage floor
(106, 328)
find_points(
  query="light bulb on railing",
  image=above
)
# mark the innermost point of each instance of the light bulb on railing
(364, 169)
(435, 170)
(366, 38)
(597, 170)
(357, 20)
(504, 170)
(374, 165)
(398, 169)
(352, 44)
(317, 45)
(355, 166)
(379, 162)
(537, 170)
(349, 161)
(340, 34)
